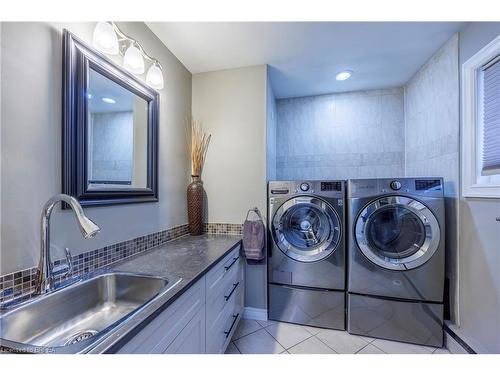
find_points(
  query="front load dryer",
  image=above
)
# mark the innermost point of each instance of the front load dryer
(396, 259)
(306, 264)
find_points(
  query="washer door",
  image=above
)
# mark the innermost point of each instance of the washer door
(306, 229)
(397, 233)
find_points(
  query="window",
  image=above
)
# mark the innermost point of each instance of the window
(481, 123)
(490, 112)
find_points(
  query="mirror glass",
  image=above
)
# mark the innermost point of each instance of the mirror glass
(117, 136)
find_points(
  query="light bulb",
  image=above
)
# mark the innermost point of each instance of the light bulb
(108, 100)
(342, 76)
(105, 38)
(133, 61)
(154, 77)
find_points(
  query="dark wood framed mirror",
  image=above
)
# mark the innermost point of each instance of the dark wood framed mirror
(110, 130)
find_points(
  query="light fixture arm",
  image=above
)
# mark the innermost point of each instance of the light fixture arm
(124, 37)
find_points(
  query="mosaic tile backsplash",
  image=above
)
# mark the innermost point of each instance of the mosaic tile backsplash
(21, 284)
(218, 228)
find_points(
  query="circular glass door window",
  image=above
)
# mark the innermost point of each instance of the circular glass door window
(306, 229)
(397, 232)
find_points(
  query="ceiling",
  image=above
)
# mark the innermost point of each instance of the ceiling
(304, 57)
(102, 87)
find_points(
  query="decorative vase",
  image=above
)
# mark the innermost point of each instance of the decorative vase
(195, 205)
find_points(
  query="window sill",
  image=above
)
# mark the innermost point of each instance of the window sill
(481, 191)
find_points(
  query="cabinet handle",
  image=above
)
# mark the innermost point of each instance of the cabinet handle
(498, 218)
(235, 318)
(226, 268)
(232, 291)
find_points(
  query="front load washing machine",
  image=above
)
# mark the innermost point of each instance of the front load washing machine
(396, 259)
(306, 264)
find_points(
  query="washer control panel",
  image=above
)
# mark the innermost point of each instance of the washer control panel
(395, 185)
(330, 189)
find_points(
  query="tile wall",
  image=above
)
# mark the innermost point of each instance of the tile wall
(432, 140)
(341, 136)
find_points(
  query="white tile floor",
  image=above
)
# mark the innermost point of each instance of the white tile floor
(269, 337)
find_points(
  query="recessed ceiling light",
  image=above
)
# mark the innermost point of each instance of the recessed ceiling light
(342, 76)
(108, 100)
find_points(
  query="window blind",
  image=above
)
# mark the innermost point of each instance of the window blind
(491, 118)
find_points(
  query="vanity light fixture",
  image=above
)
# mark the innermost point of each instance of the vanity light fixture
(132, 60)
(108, 38)
(342, 76)
(105, 39)
(154, 77)
(108, 100)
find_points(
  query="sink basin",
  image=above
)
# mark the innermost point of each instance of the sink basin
(81, 313)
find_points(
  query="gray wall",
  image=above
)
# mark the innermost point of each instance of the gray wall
(432, 139)
(231, 105)
(340, 136)
(479, 249)
(31, 145)
(271, 120)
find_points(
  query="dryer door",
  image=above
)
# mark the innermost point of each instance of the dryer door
(397, 233)
(306, 229)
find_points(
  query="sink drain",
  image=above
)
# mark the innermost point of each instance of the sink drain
(80, 336)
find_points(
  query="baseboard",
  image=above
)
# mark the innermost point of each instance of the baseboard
(453, 342)
(254, 313)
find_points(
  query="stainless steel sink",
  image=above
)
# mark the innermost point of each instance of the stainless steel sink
(81, 314)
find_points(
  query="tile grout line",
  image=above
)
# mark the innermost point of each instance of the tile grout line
(261, 328)
(317, 339)
(275, 339)
(248, 333)
(286, 349)
(236, 346)
(367, 343)
(378, 347)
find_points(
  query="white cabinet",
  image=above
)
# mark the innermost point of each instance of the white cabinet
(191, 340)
(203, 319)
(158, 335)
(225, 292)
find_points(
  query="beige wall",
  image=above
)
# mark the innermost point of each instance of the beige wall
(479, 240)
(231, 105)
(31, 72)
(479, 275)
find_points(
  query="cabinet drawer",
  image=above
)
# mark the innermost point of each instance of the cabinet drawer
(222, 271)
(219, 335)
(161, 332)
(228, 290)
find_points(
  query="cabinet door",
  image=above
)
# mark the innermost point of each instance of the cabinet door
(191, 340)
(158, 335)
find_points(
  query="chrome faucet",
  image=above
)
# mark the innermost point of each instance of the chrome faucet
(45, 278)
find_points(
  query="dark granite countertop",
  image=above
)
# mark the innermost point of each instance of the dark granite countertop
(188, 258)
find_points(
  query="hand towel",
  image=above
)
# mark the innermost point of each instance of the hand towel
(254, 239)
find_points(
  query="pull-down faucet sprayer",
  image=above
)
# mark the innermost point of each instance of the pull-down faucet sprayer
(45, 280)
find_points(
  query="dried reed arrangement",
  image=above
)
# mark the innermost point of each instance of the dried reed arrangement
(197, 145)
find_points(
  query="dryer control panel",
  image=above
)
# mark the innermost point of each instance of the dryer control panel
(426, 186)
